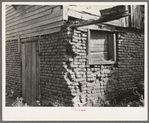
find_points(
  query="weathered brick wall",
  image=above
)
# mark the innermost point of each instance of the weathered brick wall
(103, 82)
(130, 60)
(13, 68)
(65, 74)
(53, 48)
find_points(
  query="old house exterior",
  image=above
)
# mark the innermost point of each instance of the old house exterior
(76, 54)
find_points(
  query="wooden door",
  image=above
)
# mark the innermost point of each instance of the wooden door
(30, 72)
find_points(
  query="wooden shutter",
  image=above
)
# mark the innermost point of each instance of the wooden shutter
(111, 47)
(101, 47)
(97, 47)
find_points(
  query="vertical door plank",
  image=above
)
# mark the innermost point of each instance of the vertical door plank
(28, 73)
(38, 73)
(33, 94)
(23, 71)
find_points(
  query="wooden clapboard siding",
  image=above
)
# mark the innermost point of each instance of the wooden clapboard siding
(39, 28)
(24, 15)
(22, 8)
(33, 20)
(41, 25)
(28, 13)
(38, 17)
(40, 20)
(47, 31)
(9, 8)
(29, 10)
(14, 12)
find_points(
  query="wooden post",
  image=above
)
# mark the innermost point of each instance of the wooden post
(88, 44)
(65, 11)
(39, 43)
(114, 47)
(129, 8)
(19, 44)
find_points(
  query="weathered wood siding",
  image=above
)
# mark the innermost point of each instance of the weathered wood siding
(93, 12)
(32, 20)
(82, 12)
(89, 12)
(137, 16)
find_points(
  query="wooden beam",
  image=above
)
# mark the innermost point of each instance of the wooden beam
(114, 10)
(100, 20)
(122, 29)
(79, 15)
(34, 39)
(111, 28)
(65, 14)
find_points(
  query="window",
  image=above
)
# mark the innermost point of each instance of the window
(101, 47)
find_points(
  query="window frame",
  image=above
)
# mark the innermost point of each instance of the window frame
(115, 48)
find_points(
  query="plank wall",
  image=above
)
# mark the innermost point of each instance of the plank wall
(32, 20)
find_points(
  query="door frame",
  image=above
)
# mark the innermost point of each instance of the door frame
(38, 63)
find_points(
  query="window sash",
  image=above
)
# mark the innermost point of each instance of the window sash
(92, 60)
